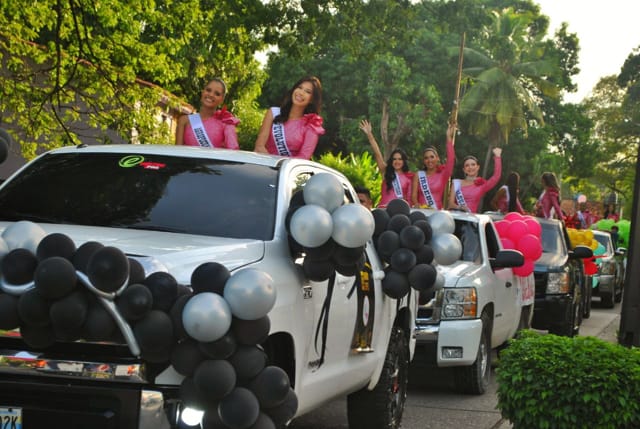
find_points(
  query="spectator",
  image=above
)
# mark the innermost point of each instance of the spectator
(548, 205)
(364, 195)
(506, 198)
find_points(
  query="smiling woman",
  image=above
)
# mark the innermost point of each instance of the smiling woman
(293, 128)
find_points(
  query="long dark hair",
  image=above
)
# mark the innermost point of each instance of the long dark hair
(316, 99)
(389, 172)
(513, 185)
(549, 180)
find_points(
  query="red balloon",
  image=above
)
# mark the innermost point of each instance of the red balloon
(511, 216)
(507, 243)
(533, 225)
(530, 246)
(525, 269)
(502, 227)
(517, 229)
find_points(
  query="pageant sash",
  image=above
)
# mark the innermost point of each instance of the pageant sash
(397, 187)
(457, 186)
(424, 186)
(198, 130)
(277, 130)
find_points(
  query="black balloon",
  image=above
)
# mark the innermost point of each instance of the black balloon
(422, 276)
(319, 270)
(214, 379)
(425, 296)
(251, 332)
(34, 309)
(55, 277)
(398, 206)
(381, 220)
(347, 270)
(263, 422)
(191, 396)
(322, 252)
(397, 222)
(39, 337)
(403, 260)
(98, 325)
(221, 348)
(186, 356)
(135, 302)
(424, 255)
(4, 150)
(387, 243)
(159, 356)
(164, 289)
(248, 361)
(154, 332)
(56, 244)
(425, 226)
(416, 216)
(412, 237)
(68, 314)
(210, 277)
(136, 271)
(395, 284)
(281, 414)
(176, 317)
(9, 317)
(271, 386)
(347, 255)
(84, 253)
(239, 409)
(211, 418)
(108, 269)
(18, 266)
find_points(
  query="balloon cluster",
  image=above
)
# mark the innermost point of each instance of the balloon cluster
(624, 229)
(332, 234)
(524, 234)
(410, 243)
(210, 333)
(584, 237)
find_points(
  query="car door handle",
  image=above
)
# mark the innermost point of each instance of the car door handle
(508, 284)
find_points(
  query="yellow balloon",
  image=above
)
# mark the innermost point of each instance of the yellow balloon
(588, 234)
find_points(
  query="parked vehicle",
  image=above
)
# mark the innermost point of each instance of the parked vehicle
(172, 209)
(560, 281)
(609, 281)
(482, 305)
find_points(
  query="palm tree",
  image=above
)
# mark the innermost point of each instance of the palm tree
(507, 80)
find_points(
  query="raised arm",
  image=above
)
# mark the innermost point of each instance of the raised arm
(263, 134)
(451, 155)
(497, 169)
(365, 126)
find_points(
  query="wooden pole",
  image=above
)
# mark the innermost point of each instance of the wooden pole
(456, 100)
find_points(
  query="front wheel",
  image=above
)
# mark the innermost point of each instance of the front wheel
(382, 407)
(474, 379)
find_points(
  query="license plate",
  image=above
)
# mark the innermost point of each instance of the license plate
(10, 418)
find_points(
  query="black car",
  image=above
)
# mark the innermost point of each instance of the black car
(560, 281)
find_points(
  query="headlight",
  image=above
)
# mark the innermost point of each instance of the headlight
(459, 303)
(558, 283)
(607, 268)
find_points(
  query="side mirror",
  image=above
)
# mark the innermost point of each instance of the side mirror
(507, 258)
(621, 251)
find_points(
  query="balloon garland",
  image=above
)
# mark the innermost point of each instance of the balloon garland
(524, 234)
(209, 333)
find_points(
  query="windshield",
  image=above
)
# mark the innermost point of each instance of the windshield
(605, 241)
(552, 239)
(162, 193)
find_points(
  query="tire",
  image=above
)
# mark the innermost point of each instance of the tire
(474, 379)
(606, 300)
(382, 407)
(570, 326)
(525, 318)
(586, 306)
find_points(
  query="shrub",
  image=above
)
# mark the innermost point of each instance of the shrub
(547, 381)
(361, 170)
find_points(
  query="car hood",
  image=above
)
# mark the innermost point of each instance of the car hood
(550, 261)
(178, 254)
(459, 274)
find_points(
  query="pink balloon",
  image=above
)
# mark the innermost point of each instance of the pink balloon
(511, 216)
(502, 226)
(525, 269)
(530, 246)
(533, 225)
(507, 243)
(516, 230)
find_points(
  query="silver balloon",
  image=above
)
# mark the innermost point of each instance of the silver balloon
(23, 234)
(447, 248)
(442, 222)
(324, 190)
(439, 283)
(250, 294)
(206, 317)
(311, 225)
(353, 225)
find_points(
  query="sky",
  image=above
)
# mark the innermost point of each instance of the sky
(607, 31)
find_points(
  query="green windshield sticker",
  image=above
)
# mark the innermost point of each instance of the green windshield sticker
(130, 161)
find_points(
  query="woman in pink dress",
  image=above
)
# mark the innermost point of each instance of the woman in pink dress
(467, 193)
(397, 179)
(210, 127)
(430, 182)
(548, 205)
(293, 128)
(506, 198)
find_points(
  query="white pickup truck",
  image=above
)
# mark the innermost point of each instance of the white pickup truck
(173, 209)
(482, 305)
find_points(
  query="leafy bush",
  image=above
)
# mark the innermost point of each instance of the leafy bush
(547, 381)
(361, 170)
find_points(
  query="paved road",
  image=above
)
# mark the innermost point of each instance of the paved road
(433, 403)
